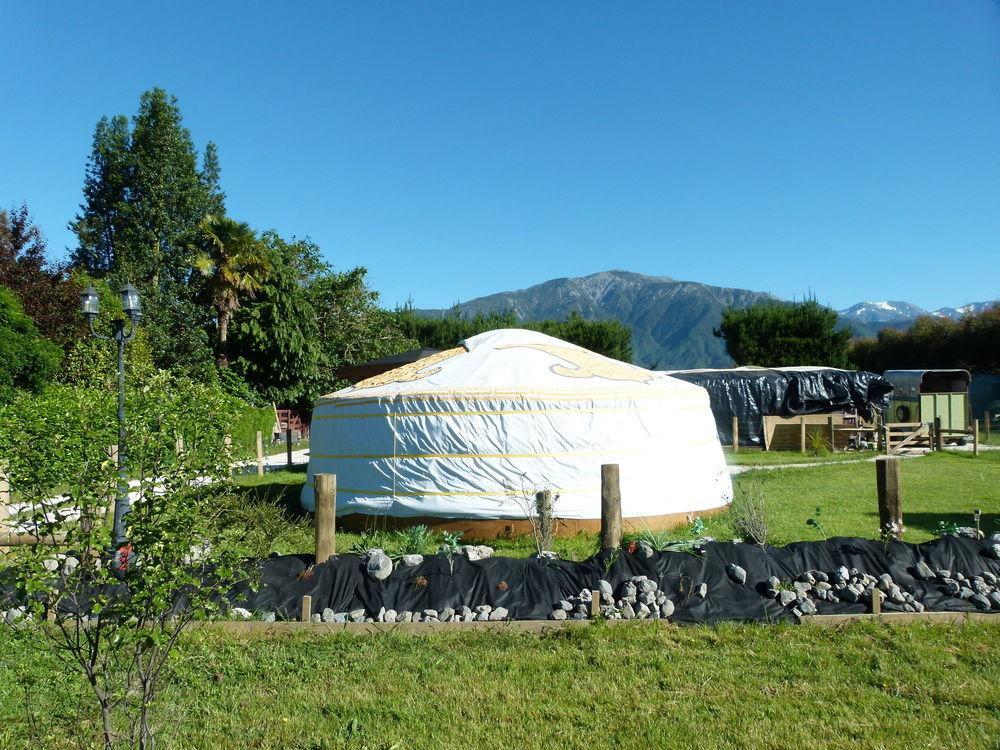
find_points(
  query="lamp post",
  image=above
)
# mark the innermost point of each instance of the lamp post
(123, 331)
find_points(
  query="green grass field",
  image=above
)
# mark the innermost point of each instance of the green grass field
(729, 686)
(940, 487)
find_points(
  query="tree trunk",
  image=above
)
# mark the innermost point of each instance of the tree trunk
(220, 357)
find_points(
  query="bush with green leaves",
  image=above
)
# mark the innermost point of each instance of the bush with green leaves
(116, 615)
(27, 360)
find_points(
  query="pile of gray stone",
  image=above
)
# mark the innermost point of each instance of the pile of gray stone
(842, 585)
(638, 598)
(982, 591)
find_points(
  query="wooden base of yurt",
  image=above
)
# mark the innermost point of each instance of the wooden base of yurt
(492, 528)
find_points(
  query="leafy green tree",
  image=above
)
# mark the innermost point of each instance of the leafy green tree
(784, 335)
(27, 360)
(235, 265)
(972, 343)
(144, 196)
(351, 326)
(104, 215)
(47, 293)
(272, 340)
(608, 337)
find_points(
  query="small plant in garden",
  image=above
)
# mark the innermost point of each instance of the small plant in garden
(889, 532)
(817, 523)
(503, 586)
(451, 542)
(369, 540)
(947, 528)
(537, 504)
(420, 582)
(697, 526)
(818, 443)
(413, 540)
(451, 545)
(748, 513)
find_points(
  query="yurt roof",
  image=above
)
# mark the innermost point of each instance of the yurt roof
(358, 372)
(516, 362)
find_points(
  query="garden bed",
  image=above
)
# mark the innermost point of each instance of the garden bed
(713, 582)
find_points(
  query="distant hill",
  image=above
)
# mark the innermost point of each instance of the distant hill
(671, 321)
(868, 318)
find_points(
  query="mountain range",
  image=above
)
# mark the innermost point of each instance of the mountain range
(671, 321)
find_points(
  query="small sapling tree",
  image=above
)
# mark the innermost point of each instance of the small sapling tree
(115, 615)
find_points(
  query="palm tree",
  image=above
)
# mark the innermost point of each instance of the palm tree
(233, 260)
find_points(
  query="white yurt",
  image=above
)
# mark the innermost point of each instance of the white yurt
(464, 438)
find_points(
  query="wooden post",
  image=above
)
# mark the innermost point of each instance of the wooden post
(877, 601)
(307, 604)
(890, 493)
(260, 454)
(986, 422)
(833, 435)
(975, 437)
(887, 439)
(802, 435)
(325, 496)
(288, 442)
(938, 435)
(543, 511)
(611, 507)
(736, 434)
(595, 604)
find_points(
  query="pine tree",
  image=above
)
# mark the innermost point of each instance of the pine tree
(103, 213)
(144, 195)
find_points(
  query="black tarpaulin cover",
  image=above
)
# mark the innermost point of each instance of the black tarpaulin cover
(533, 586)
(751, 393)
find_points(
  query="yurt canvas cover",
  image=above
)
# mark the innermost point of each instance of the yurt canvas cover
(475, 431)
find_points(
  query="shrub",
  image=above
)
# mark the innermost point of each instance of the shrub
(27, 361)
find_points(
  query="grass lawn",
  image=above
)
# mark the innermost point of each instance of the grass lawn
(752, 457)
(940, 487)
(729, 686)
(637, 685)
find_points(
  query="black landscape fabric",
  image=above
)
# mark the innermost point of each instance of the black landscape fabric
(530, 588)
(753, 393)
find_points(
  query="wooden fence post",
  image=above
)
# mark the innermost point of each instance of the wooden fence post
(833, 434)
(611, 507)
(887, 439)
(986, 421)
(736, 434)
(325, 497)
(305, 615)
(938, 435)
(890, 493)
(595, 604)
(288, 442)
(877, 596)
(802, 435)
(543, 511)
(975, 437)
(260, 454)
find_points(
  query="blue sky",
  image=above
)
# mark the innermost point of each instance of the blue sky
(458, 149)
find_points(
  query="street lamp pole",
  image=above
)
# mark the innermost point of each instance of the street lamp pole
(123, 331)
